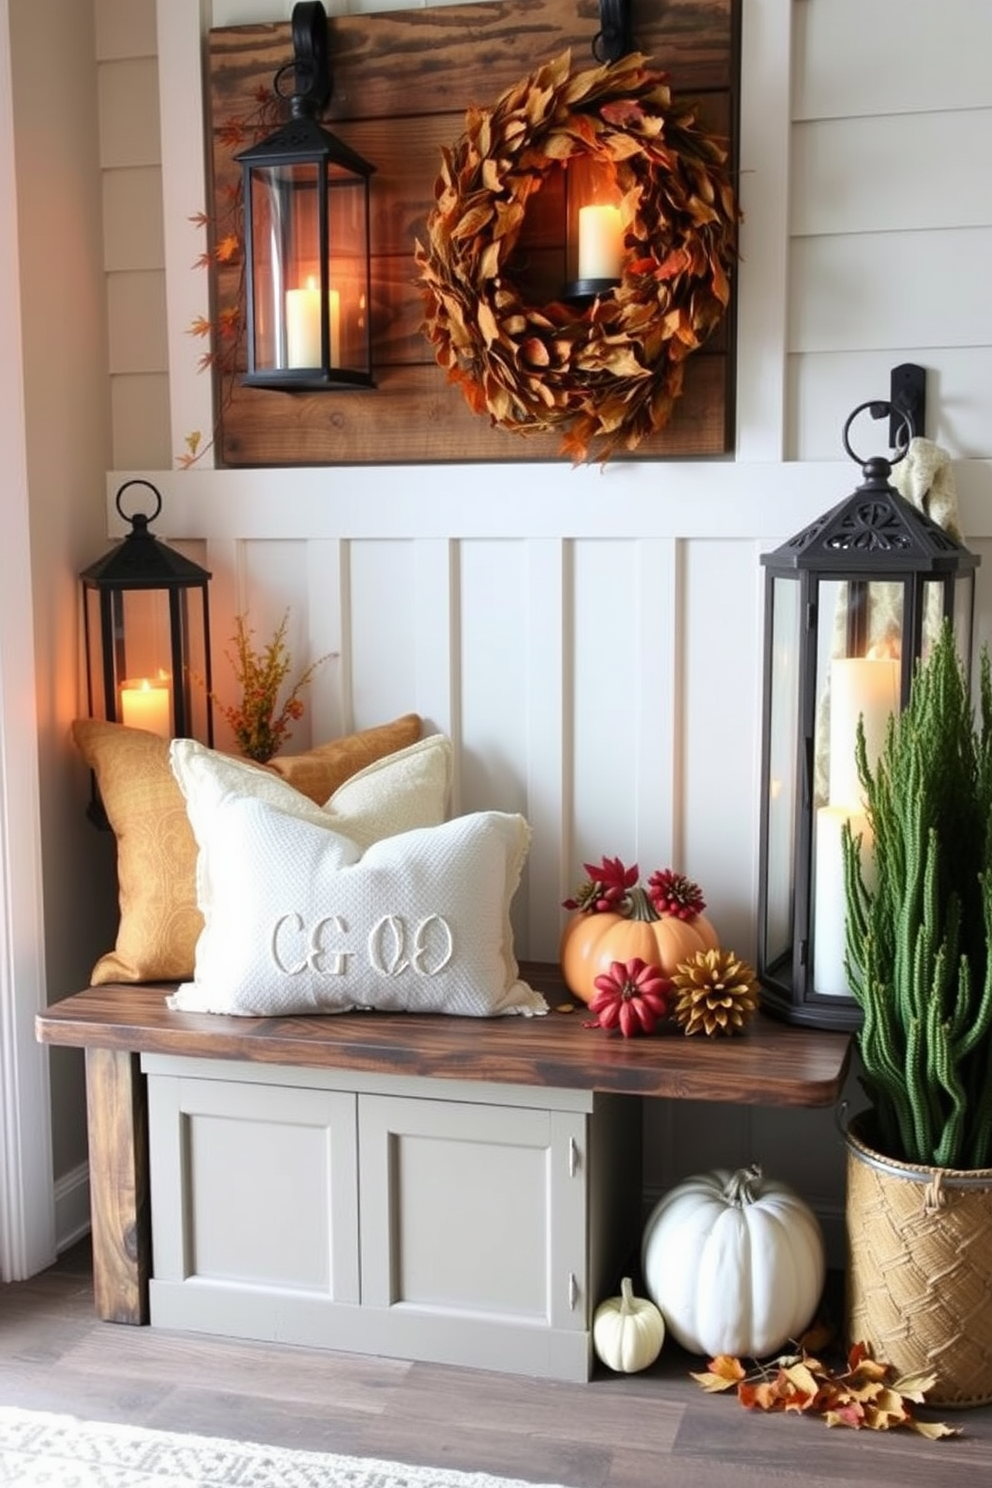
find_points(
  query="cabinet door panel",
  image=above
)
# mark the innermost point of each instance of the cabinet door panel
(473, 1209)
(253, 1186)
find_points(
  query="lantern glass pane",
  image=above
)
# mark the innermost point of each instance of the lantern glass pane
(595, 245)
(285, 247)
(781, 786)
(963, 613)
(858, 685)
(192, 713)
(131, 657)
(348, 268)
(147, 659)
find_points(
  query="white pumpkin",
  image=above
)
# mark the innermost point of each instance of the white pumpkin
(735, 1262)
(627, 1331)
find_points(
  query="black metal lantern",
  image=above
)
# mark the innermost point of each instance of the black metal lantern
(306, 204)
(851, 604)
(146, 628)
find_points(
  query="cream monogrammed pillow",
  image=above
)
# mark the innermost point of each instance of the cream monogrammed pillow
(299, 918)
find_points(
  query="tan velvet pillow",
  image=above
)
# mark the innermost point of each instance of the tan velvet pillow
(156, 850)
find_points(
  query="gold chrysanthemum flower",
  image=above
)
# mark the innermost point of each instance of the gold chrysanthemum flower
(715, 992)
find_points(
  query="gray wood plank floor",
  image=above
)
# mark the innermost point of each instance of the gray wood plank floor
(654, 1430)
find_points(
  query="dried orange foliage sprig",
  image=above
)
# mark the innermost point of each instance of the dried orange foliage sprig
(225, 230)
(261, 721)
(867, 1394)
(607, 374)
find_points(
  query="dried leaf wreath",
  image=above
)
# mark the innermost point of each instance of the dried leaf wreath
(608, 372)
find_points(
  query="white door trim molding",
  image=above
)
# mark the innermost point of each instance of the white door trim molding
(27, 1204)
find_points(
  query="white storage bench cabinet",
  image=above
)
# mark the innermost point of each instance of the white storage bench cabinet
(453, 1189)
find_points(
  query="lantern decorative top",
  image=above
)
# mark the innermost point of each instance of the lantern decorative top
(874, 525)
(141, 561)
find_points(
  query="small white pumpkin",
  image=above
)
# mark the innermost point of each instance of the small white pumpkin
(627, 1331)
(735, 1261)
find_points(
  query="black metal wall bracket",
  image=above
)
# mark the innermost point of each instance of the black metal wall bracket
(908, 397)
(615, 37)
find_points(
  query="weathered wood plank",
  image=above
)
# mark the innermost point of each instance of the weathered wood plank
(768, 1064)
(407, 163)
(414, 415)
(392, 64)
(398, 308)
(119, 1191)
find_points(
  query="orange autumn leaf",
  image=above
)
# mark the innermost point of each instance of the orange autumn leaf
(227, 249)
(722, 1372)
(866, 1395)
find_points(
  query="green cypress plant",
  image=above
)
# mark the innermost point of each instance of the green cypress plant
(918, 939)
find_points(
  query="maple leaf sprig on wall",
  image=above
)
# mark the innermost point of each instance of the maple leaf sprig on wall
(867, 1394)
(225, 230)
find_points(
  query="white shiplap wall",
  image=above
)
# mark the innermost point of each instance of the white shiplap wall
(591, 640)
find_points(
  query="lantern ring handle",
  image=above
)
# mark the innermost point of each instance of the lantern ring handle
(139, 517)
(881, 410)
(310, 63)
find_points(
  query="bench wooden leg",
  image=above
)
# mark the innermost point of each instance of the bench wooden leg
(117, 1118)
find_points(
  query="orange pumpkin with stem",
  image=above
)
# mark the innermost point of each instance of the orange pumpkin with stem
(618, 919)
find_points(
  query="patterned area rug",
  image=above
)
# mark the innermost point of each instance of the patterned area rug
(38, 1450)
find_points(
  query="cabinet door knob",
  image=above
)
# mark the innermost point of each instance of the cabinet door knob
(573, 1291)
(573, 1157)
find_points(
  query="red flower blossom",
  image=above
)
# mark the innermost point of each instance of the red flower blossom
(631, 996)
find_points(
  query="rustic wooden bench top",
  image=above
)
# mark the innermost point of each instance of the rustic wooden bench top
(771, 1063)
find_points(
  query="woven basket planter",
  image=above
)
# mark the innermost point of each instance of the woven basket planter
(919, 1268)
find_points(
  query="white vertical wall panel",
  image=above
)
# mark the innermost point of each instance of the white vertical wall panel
(381, 606)
(762, 304)
(718, 723)
(549, 731)
(329, 695)
(494, 661)
(607, 678)
(437, 694)
(495, 644)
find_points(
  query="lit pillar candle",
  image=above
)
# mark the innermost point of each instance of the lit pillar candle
(829, 899)
(303, 325)
(146, 705)
(600, 243)
(865, 688)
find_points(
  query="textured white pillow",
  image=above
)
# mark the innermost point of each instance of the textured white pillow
(408, 788)
(301, 918)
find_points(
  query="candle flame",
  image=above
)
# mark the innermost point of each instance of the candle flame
(887, 650)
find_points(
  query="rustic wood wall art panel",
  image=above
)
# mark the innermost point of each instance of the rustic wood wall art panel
(402, 84)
